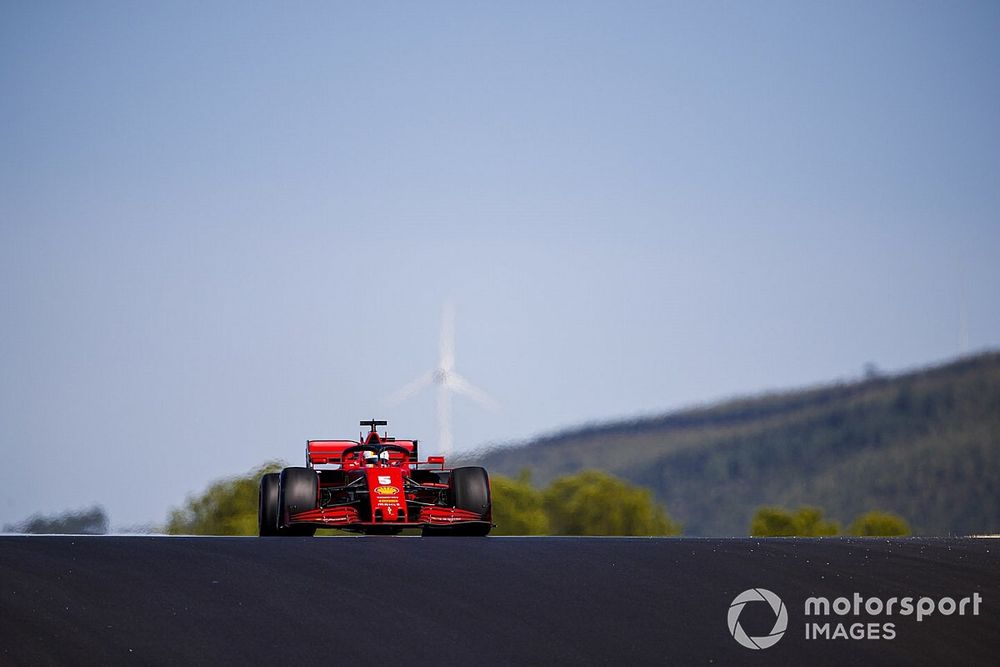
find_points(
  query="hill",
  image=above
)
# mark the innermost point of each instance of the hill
(924, 444)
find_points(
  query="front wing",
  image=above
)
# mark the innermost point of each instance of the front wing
(349, 517)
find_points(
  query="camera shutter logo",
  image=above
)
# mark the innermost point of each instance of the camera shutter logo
(780, 622)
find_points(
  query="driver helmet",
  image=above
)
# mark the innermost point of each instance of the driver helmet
(370, 457)
(383, 458)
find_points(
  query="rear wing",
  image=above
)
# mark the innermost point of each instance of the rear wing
(322, 452)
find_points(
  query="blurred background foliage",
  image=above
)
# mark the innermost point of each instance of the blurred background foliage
(803, 522)
(518, 507)
(227, 506)
(91, 521)
(771, 521)
(924, 443)
(879, 524)
(592, 502)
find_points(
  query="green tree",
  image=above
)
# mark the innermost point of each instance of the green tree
(772, 521)
(879, 524)
(518, 507)
(595, 503)
(227, 507)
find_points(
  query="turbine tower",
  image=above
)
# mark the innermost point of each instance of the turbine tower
(447, 381)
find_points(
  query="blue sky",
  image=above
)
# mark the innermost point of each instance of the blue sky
(228, 227)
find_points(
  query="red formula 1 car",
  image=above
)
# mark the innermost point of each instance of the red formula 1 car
(378, 486)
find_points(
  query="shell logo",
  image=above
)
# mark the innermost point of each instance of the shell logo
(386, 491)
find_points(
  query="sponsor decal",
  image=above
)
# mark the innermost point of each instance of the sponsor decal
(386, 491)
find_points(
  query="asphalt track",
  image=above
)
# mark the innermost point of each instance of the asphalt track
(476, 601)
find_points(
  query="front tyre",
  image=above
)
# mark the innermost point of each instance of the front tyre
(267, 510)
(298, 491)
(469, 490)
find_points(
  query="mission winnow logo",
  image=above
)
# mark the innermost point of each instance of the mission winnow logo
(824, 616)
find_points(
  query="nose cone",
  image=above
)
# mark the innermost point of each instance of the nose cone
(385, 486)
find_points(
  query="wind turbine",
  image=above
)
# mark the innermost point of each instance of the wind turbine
(447, 381)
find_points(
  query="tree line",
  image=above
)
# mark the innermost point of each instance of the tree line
(90, 521)
(772, 521)
(590, 502)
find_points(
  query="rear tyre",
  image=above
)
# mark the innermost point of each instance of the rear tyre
(267, 511)
(298, 491)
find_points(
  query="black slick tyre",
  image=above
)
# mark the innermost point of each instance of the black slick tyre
(469, 490)
(267, 510)
(298, 490)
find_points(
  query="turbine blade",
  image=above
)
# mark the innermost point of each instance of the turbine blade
(409, 390)
(460, 385)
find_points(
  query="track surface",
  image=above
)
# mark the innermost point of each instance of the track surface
(523, 601)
